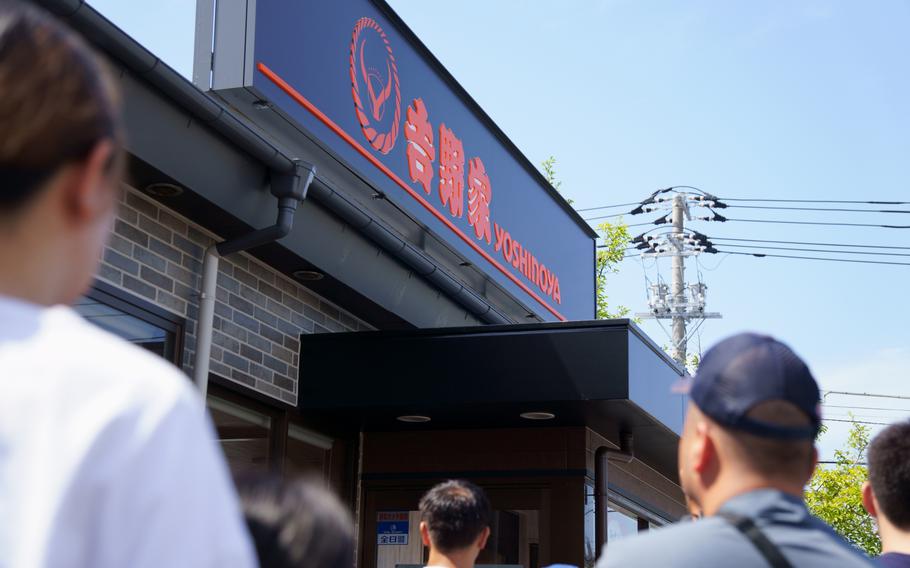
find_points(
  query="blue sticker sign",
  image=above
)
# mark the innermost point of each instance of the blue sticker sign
(392, 528)
(353, 76)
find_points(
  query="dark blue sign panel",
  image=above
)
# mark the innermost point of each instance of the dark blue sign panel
(392, 528)
(346, 73)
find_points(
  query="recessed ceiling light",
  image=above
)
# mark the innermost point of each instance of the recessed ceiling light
(308, 275)
(537, 415)
(163, 190)
(413, 418)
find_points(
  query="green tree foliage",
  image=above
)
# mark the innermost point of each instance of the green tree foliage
(615, 238)
(549, 172)
(835, 493)
(692, 362)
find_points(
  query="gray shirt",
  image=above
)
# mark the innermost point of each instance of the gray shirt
(802, 538)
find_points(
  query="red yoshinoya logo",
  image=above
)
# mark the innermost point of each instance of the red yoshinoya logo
(374, 85)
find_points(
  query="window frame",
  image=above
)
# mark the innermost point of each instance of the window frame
(278, 419)
(640, 511)
(342, 457)
(144, 310)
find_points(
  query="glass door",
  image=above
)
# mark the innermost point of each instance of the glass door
(244, 435)
(514, 540)
(391, 537)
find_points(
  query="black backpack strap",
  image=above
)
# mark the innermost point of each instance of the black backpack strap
(765, 547)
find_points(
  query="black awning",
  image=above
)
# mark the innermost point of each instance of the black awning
(606, 375)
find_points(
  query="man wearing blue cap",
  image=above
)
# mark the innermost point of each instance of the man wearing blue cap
(745, 455)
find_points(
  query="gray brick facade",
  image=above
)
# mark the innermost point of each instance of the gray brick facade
(156, 255)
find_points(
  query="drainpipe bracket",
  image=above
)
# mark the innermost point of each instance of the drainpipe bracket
(294, 184)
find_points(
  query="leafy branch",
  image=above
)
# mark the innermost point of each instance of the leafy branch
(616, 239)
(835, 496)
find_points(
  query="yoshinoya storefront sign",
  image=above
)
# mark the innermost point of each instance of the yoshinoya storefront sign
(354, 77)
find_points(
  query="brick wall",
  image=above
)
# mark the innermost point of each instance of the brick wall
(156, 254)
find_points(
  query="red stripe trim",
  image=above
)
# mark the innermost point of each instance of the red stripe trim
(300, 99)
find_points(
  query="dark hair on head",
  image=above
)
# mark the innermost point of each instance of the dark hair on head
(456, 512)
(889, 472)
(57, 100)
(296, 524)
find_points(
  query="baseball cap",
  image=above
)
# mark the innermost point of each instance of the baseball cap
(747, 369)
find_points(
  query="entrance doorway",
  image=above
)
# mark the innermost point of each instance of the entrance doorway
(519, 537)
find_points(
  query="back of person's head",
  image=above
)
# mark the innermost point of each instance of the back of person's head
(297, 524)
(60, 135)
(773, 458)
(456, 514)
(755, 402)
(888, 457)
(57, 101)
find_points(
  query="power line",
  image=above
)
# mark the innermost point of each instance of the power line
(906, 211)
(862, 415)
(761, 255)
(857, 418)
(856, 421)
(608, 206)
(816, 201)
(722, 219)
(820, 250)
(819, 223)
(846, 210)
(606, 216)
(687, 187)
(872, 395)
(716, 266)
(865, 407)
(759, 200)
(808, 243)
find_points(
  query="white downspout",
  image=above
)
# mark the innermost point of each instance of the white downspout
(206, 320)
(290, 189)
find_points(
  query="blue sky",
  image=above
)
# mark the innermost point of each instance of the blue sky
(778, 99)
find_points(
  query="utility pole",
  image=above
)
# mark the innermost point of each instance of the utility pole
(677, 282)
(680, 302)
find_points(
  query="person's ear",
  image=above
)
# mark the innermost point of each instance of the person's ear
(813, 463)
(703, 450)
(88, 194)
(424, 533)
(484, 536)
(869, 499)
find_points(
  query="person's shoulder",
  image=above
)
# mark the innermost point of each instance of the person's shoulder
(893, 560)
(830, 545)
(95, 361)
(99, 347)
(683, 544)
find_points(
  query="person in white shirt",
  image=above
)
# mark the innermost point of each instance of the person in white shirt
(107, 458)
(454, 523)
